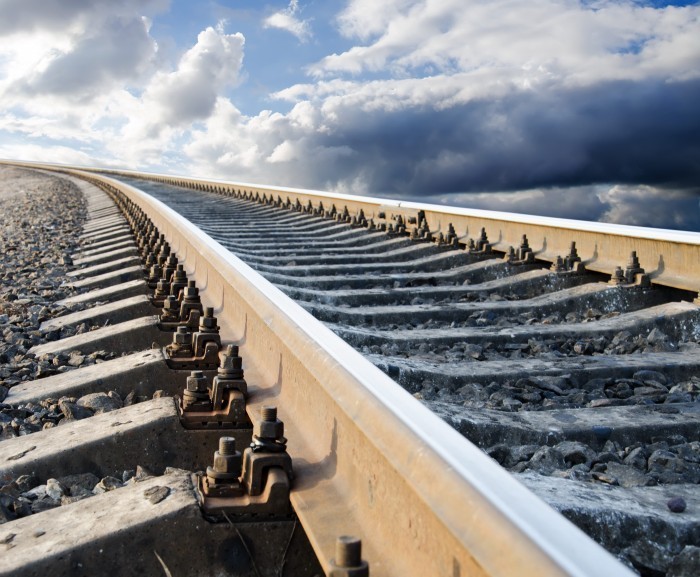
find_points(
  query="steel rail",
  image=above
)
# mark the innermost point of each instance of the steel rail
(369, 459)
(670, 257)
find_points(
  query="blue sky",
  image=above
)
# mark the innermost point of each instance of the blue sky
(583, 109)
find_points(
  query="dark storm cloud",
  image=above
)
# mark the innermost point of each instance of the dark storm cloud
(613, 132)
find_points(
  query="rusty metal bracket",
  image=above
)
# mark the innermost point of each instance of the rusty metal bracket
(571, 264)
(633, 275)
(480, 248)
(523, 255)
(198, 351)
(221, 406)
(257, 482)
(184, 310)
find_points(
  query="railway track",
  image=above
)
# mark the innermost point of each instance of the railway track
(575, 376)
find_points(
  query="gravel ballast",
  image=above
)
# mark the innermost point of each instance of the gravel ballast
(42, 217)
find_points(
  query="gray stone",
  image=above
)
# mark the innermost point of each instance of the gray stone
(637, 458)
(142, 473)
(555, 385)
(130, 399)
(547, 460)
(645, 375)
(576, 453)
(73, 483)
(99, 402)
(73, 411)
(657, 337)
(116, 398)
(76, 360)
(627, 476)
(107, 484)
(44, 504)
(156, 493)
(686, 563)
(649, 557)
(662, 459)
(54, 489)
(500, 453)
(38, 492)
(26, 482)
(6, 509)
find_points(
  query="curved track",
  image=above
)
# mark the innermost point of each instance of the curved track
(582, 388)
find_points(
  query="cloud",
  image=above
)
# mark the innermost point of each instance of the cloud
(572, 42)
(498, 102)
(644, 205)
(287, 20)
(68, 16)
(73, 52)
(189, 93)
(622, 131)
(114, 53)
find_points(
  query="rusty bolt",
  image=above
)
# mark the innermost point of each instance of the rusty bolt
(164, 253)
(558, 265)
(573, 253)
(228, 462)
(348, 558)
(156, 272)
(231, 364)
(179, 273)
(227, 459)
(170, 305)
(207, 323)
(181, 336)
(197, 382)
(191, 291)
(269, 427)
(633, 262)
(618, 276)
(172, 261)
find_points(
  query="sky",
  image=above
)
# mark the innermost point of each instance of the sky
(580, 109)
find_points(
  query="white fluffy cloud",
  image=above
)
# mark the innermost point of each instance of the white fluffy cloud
(289, 20)
(189, 93)
(533, 41)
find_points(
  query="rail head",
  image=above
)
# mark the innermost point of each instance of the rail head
(371, 460)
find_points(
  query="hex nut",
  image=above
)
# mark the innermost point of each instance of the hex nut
(270, 429)
(229, 464)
